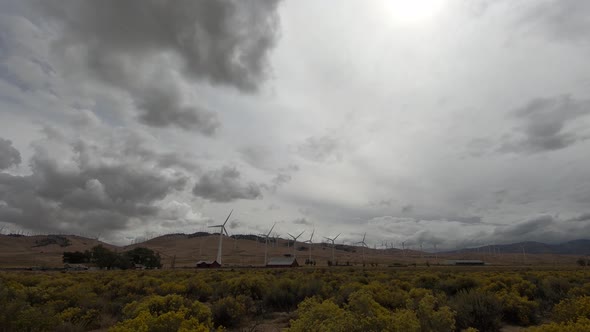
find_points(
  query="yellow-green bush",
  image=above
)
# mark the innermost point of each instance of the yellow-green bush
(165, 313)
(315, 316)
(381, 299)
(572, 309)
(477, 309)
(580, 325)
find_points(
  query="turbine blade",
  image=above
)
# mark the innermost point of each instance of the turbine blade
(225, 230)
(337, 236)
(300, 234)
(273, 226)
(228, 217)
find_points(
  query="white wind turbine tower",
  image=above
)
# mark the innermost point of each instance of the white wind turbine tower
(364, 245)
(421, 252)
(266, 243)
(310, 243)
(435, 253)
(295, 241)
(332, 240)
(221, 231)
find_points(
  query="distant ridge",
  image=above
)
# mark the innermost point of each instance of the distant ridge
(576, 247)
(183, 250)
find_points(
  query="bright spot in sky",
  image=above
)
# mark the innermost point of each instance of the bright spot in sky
(412, 11)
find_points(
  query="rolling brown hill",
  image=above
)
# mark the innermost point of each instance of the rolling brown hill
(185, 250)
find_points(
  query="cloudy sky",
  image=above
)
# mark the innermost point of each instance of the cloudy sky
(454, 123)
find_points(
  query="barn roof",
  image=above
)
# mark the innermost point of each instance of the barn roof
(465, 261)
(286, 261)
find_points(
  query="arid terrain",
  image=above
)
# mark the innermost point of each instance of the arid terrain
(182, 251)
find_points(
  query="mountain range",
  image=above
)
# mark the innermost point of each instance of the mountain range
(575, 247)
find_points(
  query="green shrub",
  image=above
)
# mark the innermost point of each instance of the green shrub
(433, 316)
(404, 320)
(480, 310)
(165, 313)
(315, 316)
(572, 309)
(517, 309)
(428, 281)
(228, 312)
(452, 286)
(554, 289)
(367, 313)
(580, 325)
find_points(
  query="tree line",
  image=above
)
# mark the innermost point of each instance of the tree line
(105, 258)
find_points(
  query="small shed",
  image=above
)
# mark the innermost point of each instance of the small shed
(463, 262)
(282, 262)
(207, 264)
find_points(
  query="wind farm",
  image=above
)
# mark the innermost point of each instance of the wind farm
(185, 250)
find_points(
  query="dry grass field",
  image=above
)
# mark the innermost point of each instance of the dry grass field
(184, 251)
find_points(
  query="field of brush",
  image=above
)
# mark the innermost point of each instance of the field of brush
(301, 299)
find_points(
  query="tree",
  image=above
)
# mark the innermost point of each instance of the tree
(77, 257)
(143, 256)
(105, 258)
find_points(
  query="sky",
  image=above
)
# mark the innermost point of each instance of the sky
(443, 123)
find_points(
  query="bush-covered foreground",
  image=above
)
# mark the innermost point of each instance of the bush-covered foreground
(341, 299)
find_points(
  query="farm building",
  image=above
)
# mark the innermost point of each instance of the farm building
(463, 262)
(282, 262)
(205, 264)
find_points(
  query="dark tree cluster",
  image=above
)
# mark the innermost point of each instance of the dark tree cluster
(106, 258)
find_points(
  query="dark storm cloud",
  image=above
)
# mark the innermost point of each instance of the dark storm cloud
(544, 124)
(306, 211)
(139, 46)
(162, 105)
(136, 146)
(225, 185)
(255, 155)
(76, 195)
(9, 156)
(560, 20)
(524, 229)
(382, 202)
(467, 220)
(320, 149)
(234, 224)
(282, 177)
(302, 221)
(582, 217)
(407, 208)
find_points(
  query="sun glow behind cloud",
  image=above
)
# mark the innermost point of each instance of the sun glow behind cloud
(408, 12)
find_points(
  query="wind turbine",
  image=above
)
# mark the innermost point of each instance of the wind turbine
(310, 243)
(364, 245)
(421, 252)
(435, 253)
(266, 243)
(295, 241)
(332, 240)
(221, 231)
